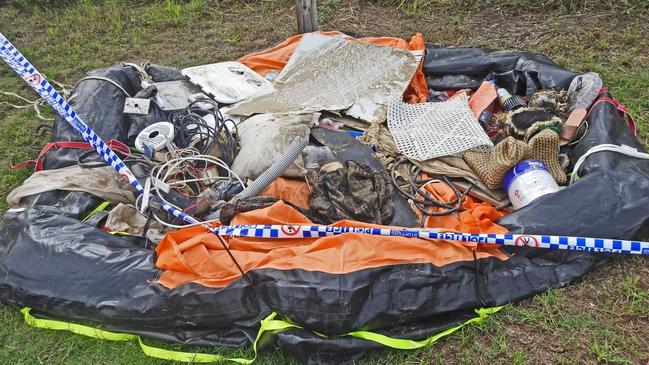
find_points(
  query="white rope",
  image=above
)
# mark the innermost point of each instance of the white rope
(106, 79)
(623, 149)
(35, 104)
(145, 78)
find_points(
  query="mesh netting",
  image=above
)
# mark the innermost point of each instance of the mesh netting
(428, 130)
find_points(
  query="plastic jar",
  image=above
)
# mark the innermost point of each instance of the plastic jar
(528, 180)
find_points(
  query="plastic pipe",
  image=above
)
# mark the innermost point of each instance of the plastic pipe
(276, 169)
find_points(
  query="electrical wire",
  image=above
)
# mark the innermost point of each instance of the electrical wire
(187, 174)
(193, 130)
(414, 190)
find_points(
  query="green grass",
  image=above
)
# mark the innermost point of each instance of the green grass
(601, 319)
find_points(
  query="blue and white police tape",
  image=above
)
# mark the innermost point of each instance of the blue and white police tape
(37, 81)
(509, 239)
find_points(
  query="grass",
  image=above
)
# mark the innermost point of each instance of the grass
(603, 318)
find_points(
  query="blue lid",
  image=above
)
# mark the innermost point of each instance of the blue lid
(355, 134)
(521, 168)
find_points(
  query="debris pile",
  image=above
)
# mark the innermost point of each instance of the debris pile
(304, 182)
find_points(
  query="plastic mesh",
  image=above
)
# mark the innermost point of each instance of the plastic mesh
(428, 130)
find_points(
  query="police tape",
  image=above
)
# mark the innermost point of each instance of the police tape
(507, 239)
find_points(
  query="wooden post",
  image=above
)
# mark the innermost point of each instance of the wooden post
(307, 16)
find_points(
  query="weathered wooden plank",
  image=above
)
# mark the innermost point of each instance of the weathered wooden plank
(307, 15)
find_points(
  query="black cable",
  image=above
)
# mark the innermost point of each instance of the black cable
(236, 263)
(145, 230)
(90, 159)
(478, 287)
(192, 130)
(41, 129)
(421, 198)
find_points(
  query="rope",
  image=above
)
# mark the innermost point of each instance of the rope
(106, 79)
(35, 104)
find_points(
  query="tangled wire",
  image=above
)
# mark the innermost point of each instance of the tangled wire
(414, 189)
(193, 129)
(187, 173)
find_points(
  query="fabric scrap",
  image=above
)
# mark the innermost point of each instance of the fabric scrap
(125, 218)
(339, 75)
(294, 191)
(352, 190)
(583, 90)
(264, 138)
(492, 166)
(102, 182)
(543, 147)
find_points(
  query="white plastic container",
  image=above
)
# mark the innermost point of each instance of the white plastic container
(527, 181)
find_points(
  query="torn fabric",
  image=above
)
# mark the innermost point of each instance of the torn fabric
(100, 181)
(265, 138)
(352, 190)
(354, 77)
(125, 218)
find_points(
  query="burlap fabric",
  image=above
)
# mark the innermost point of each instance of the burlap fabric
(544, 146)
(491, 167)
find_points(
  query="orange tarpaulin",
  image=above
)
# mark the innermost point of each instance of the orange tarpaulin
(274, 59)
(477, 216)
(196, 255)
(289, 190)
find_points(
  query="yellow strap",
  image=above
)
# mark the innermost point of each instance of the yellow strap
(402, 344)
(119, 233)
(100, 208)
(268, 324)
